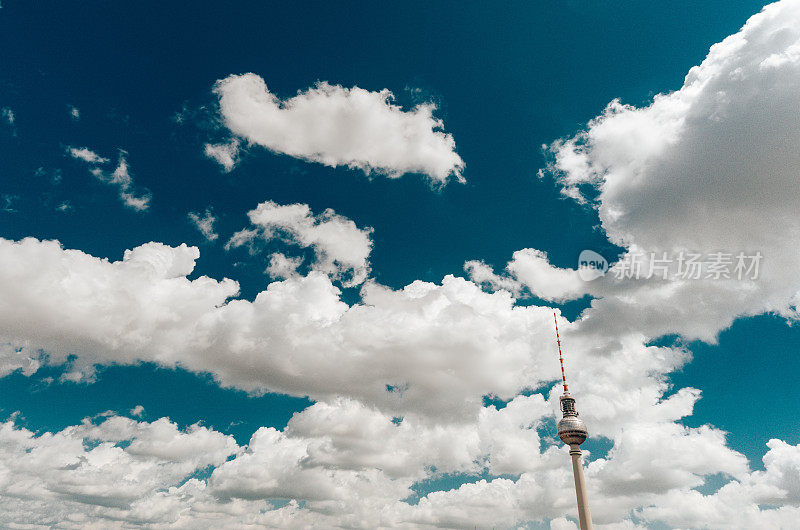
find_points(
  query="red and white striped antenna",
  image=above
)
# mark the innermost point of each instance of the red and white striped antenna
(560, 356)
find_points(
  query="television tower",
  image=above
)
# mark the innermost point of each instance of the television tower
(572, 432)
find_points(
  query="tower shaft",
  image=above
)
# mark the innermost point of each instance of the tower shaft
(584, 515)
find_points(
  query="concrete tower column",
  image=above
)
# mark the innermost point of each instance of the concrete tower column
(584, 515)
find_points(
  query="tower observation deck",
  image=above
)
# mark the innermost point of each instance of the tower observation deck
(572, 432)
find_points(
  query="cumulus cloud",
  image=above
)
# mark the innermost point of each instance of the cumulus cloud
(274, 467)
(759, 499)
(711, 167)
(291, 338)
(336, 126)
(344, 464)
(74, 112)
(483, 274)
(426, 354)
(106, 468)
(204, 223)
(688, 175)
(530, 269)
(341, 249)
(119, 177)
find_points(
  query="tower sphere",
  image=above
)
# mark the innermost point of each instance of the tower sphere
(572, 430)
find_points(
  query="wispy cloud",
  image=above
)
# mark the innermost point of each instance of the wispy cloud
(120, 177)
(87, 155)
(10, 118)
(8, 115)
(226, 154)
(204, 223)
(7, 201)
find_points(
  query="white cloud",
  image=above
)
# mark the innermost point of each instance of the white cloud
(341, 248)
(346, 434)
(226, 154)
(759, 499)
(120, 177)
(8, 201)
(483, 274)
(244, 237)
(8, 115)
(710, 167)
(14, 358)
(282, 267)
(74, 112)
(337, 126)
(562, 523)
(440, 347)
(104, 468)
(685, 456)
(274, 467)
(349, 465)
(137, 411)
(205, 224)
(530, 268)
(450, 341)
(87, 155)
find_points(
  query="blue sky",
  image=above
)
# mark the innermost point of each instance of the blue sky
(109, 112)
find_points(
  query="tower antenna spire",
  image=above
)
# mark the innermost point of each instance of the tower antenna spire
(560, 356)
